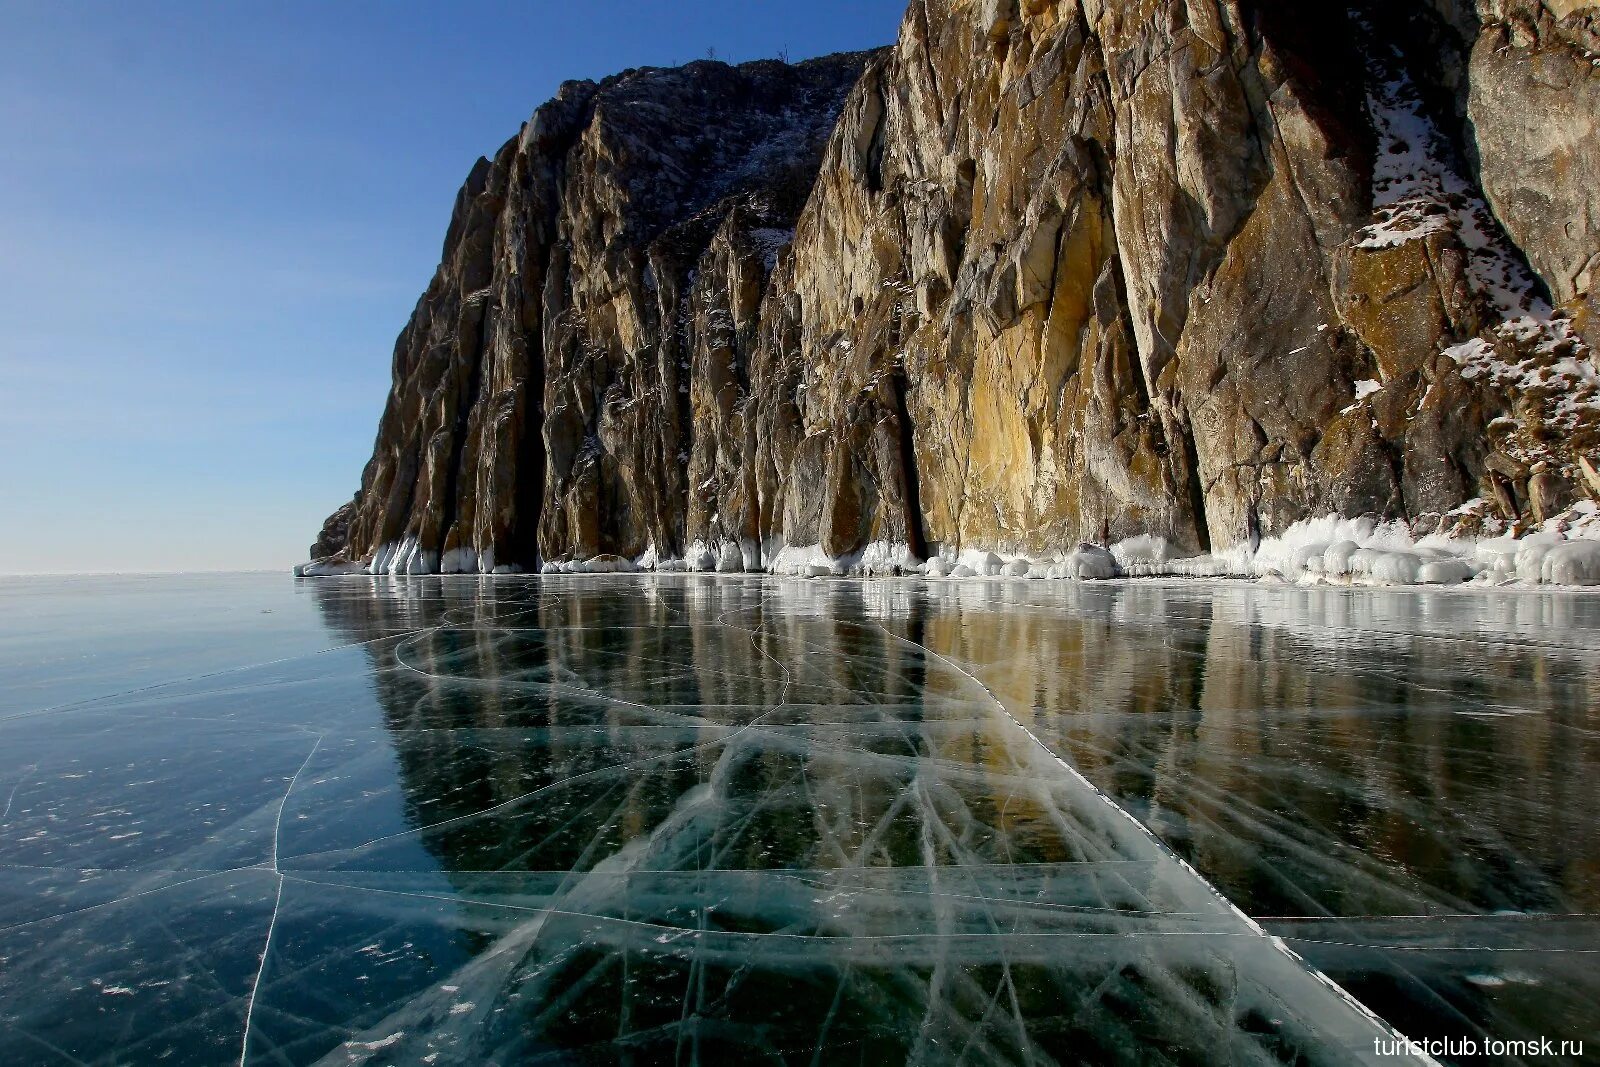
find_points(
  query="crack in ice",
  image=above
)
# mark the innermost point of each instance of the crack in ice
(277, 904)
(1378, 1026)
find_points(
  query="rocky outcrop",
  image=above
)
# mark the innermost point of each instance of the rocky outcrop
(1041, 273)
(546, 386)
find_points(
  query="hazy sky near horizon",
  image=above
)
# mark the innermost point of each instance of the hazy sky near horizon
(215, 218)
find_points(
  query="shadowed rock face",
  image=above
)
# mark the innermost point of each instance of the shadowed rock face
(1039, 273)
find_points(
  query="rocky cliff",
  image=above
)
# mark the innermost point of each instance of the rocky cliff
(1041, 272)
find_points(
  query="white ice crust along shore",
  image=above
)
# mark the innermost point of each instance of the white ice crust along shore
(1330, 550)
(1564, 550)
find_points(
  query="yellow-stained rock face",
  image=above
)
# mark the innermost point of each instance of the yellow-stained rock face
(1041, 272)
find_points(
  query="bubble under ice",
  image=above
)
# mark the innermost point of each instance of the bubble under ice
(694, 818)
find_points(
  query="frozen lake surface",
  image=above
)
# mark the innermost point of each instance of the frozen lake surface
(695, 819)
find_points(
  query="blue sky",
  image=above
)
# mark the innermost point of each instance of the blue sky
(214, 218)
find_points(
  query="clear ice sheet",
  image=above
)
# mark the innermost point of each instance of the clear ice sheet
(690, 819)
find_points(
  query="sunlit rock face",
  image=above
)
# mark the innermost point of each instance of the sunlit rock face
(1039, 273)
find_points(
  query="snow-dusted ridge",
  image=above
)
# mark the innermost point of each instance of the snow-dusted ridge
(1417, 190)
(1525, 346)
